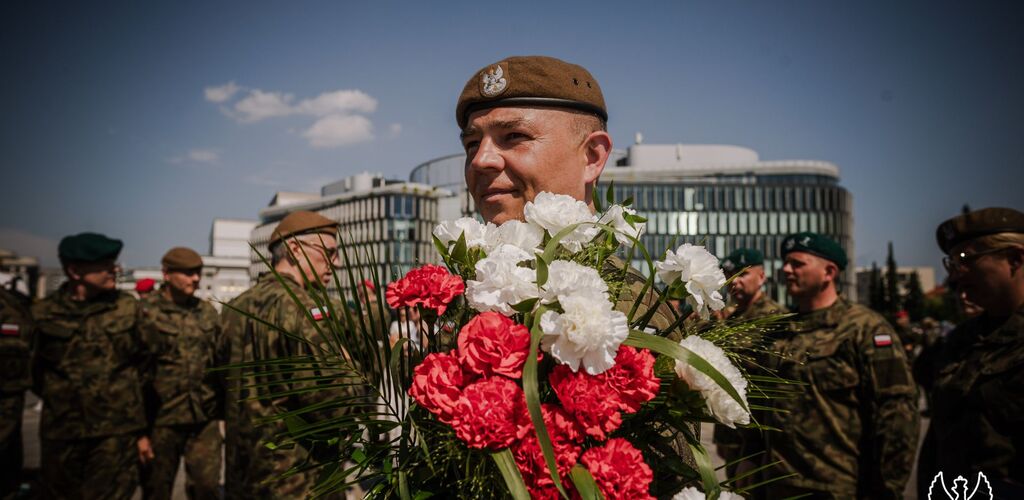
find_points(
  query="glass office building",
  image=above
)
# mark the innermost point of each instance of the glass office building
(722, 197)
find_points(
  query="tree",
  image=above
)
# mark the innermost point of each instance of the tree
(876, 291)
(914, 302)
(893, 300)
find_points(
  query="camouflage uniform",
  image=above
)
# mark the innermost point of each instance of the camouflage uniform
(729, 442)
(15, 378)
(183, 401)
(852, 431)
(249, 461)
(88, 368)
(977, 395)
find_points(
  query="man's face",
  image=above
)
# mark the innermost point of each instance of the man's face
(514, 153)
(746, 284)
(99, 276)
(806, 274)
(183, 281)
(316, 255)
(981, 274)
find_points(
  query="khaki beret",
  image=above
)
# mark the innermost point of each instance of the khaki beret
(816, 244)
(978, 223)
(181, 258)
(303, 222)
(531, 81)
(742, 258)
(88, 247)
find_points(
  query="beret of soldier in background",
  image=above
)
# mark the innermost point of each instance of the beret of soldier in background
(181, 258)
(531, 81)
(816, 244)
(742, 258)
(303, 222)
(978, 223)
(88, 247)
(145, 285)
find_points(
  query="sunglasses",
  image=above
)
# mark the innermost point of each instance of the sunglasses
(960, 261)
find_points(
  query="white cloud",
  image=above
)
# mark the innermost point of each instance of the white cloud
(197, 156)
(338, 102)
(260, 105)
(339, 130)
(221, 93)
(395, 129)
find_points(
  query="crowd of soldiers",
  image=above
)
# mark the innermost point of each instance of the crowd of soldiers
(129, 387)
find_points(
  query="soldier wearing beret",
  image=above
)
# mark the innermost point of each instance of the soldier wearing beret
(183, 401)
(15, 379)
(89, 364)
(304, 252)
(976, 378)
(745, 266)
(851, 431)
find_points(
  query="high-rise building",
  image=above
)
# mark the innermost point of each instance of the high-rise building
(722, 197)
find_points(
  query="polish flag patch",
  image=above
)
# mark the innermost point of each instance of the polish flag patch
(319, 313)
(10, 329)
(883, 340)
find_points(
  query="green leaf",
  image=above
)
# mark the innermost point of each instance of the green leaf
(542, 271)
(609, 195)
(667, 347)
(584, 483)
(707, 471)
(510, 472)
(525, 306)
(533, 403)
(459, 253)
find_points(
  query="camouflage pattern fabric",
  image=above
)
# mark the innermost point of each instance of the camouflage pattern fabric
(200, 445)
(102, 468)
(852, 431)
(15, 378)
(977, 396)
(254, 469)
(729, 442)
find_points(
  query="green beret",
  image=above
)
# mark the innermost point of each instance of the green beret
(88, 247)
(531, 81)
(978, 223)
(742, 258)
(814, 243)
(182, 258)
(303, 222)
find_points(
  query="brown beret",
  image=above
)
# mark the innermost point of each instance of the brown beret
(978, 223)
(303, 222)
(531, 81)
(181, 258)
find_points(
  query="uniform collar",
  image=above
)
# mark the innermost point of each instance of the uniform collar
(1006, 332)
(822, 318)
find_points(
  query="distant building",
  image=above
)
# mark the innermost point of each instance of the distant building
(925, 274)
(722, 197)
(384, 220)
(20, 273)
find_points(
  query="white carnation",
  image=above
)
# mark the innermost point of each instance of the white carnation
(501, 283)
(569, 278)
(519, 234)
(589, 332)
(691, 493)
(478, 235)
(721, 405)
(555, 212)
(615, 217)
(700, 270)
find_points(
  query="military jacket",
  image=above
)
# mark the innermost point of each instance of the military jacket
(852, 429)
(249, 461)
(978, 401)
(762, 307)
(88, 365)
(185, 340)
(15, 342)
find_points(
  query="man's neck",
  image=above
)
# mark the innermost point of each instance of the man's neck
(821, 300)
(176, 296)
(1009, 303)
(743, 306)
(80, 292)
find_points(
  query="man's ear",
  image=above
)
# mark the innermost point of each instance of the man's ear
(597, 146)
(1016, 259)
(72, 272)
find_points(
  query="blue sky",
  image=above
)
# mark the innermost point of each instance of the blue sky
(107, 125)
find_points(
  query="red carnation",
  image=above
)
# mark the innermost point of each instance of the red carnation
(632, 378)
(589, 399)
(492, 414)
(431, 286)
(437, 384)
(494, 344)
(619, 470)
(565, 438)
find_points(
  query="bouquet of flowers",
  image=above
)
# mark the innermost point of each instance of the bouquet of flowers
(550, 368)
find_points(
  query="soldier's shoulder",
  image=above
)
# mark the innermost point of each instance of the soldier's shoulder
(861, 315)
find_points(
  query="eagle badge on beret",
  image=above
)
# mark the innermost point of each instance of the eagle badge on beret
(790, 243)
(494, 82)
